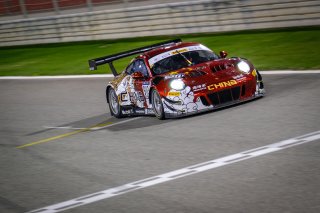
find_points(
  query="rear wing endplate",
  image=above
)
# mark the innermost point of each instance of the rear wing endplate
(94, 63)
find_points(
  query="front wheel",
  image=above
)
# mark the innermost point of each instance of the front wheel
(114, 105)
(157, 105)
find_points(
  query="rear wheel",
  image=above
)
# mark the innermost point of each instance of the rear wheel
(114, 105)
(157, 105)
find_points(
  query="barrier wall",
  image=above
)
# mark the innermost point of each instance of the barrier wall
(29, 7)
(162, 19)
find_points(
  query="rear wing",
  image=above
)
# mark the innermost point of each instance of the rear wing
(94, 63)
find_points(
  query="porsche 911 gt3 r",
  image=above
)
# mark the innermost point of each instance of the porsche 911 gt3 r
(175, 78)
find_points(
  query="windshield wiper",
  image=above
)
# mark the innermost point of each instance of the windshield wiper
(184, 57)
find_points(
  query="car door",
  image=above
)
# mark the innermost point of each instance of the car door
(140, 77)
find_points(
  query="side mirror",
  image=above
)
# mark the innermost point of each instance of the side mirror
(137, 75)
(223, 54)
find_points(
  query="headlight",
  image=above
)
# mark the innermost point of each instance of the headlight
(243, 66)
(177, 84)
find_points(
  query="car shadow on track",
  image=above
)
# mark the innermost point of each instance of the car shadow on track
(138, 123)
(107, 122)
(147, 121)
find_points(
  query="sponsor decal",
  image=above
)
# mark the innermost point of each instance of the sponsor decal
(254, 73)
(134, 96)
(179, 51)
(167, 54)
(127, 111)
(174, 93)
(179, 75)
(149, 111)
(140, 111)
(146, 89)
(222, 84)
(139, 96)
(123, 96)
(238, 77)
(199, 87)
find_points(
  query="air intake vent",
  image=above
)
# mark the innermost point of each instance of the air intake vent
(243, 92)
(220, 67)
(225, 96)
(195, 73)
(204, 101)
(214, 98)
(235, 93)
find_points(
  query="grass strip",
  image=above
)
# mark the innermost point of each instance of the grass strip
(291, 48)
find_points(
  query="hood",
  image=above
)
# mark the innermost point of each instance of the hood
(212, 68)
(221, 70)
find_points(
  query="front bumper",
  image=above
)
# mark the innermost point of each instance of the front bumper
(189, 105)
(177, 114)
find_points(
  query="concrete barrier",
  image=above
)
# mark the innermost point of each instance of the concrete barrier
(162, 19)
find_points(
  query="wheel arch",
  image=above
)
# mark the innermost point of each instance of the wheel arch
(161, 115)
(150, 94)
(107, 90)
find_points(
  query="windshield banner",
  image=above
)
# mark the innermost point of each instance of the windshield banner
(167, 54)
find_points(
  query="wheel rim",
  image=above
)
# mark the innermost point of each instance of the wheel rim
(114, 104)
(157, 105)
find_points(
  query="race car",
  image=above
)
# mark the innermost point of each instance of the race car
(174, 78)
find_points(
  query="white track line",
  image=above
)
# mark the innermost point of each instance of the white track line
(274, 72)
(280, 72)
(194, 169)
(62, 127)
(114, 124)
(54, 77)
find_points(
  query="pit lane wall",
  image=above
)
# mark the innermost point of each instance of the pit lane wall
(162, 19)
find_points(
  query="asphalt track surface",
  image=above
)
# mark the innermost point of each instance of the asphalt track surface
(58, 142)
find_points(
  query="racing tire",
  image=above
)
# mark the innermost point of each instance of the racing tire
(114, 105)
(259, 78)
(157, 105)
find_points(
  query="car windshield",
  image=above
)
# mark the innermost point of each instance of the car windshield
(181, 60)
